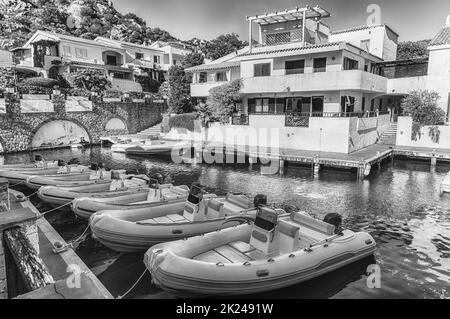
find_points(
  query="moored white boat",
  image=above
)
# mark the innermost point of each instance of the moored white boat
(122, 147)
(159, 147)
(138, 229)
(274, 252)
(84, 207)
(65, 192)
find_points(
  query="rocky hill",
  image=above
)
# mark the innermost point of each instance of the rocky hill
(19, 19)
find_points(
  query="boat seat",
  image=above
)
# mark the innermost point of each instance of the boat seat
(289, 236)
(215, 209)
(176, 218)
(175, 192)
(241, 246)
(264, 235)
(234, 204)
(313, 224)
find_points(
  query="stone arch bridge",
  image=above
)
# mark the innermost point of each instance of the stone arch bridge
(29, 131)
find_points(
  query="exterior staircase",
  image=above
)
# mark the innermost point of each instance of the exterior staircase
(390, 136)
(154, 130)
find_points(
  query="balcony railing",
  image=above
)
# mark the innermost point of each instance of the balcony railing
(324, 114)
(241, 119)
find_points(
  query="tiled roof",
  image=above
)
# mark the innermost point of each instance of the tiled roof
(214, 66)
(443, 37)
(363, 27)
(269, 50)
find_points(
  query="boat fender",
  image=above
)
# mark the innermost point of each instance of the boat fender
(335, 220)
(260, 200)
(20, 198)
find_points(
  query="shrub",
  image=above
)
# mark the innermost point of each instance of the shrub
(39, 82)
(112, 94)
(422, 107)
(185, 120)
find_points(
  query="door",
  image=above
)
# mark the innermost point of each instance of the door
(317, 105)
(111, 60)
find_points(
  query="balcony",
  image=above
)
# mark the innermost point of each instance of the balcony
(321, 81)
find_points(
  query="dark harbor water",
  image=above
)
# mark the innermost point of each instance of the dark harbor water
(399, 205)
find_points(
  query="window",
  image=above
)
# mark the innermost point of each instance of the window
(221, 76)
(277, 38)
(111, 60)
(67, 51)
(347, 104)
(156, 59)
(365, 45)
(350, 64)
(262, 69)
(320, 65)
(317, 105)
(139, 55)
(295, 67)
(202, 77)
(81, 53)
(174, 62)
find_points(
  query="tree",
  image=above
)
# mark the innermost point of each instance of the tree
(223, 100)
(410, 50)
(148, 84)
(192, 59)
(6, 77)
(422, 106)
(222, 45)
(179, 90)
(90, 80)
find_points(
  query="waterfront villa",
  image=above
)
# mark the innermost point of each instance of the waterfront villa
(325, 91)
(50, 54)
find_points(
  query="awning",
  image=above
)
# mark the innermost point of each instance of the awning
(215, 66)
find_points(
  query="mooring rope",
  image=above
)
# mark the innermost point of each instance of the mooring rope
(29, 196)
(19, 183)
(53, 209)
(134, 285)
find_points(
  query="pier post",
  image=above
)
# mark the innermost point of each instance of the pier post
(282, 165)
(433, 161)
(316, 166)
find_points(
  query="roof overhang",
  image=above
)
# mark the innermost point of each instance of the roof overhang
(215, 66)
(316, 13)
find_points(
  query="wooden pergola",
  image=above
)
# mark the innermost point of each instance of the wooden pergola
(315, 13)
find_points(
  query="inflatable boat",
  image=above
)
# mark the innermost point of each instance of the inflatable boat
(20, 176)
(158, 147)
(121, 147)
(84, 207)
(445, 185)
(65, 193)
(38, 162)
(276, 251)
(138, 229)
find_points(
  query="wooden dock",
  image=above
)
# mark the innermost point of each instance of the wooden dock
(30, 268)
(362, 161)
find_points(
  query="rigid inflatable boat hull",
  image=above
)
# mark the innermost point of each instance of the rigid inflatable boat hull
(187, 277)
(86, 207)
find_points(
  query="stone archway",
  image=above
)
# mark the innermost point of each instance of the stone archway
(115, 124)
(58, 132)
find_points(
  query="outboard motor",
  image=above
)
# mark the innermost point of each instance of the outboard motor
(131, 172)
(61, 163)
(94, 166)
(159, 178)
(335, 220)
(38, 158)
(260, 200)
(101, 165)
(115, 175)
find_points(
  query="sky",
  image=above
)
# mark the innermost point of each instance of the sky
(206, 19)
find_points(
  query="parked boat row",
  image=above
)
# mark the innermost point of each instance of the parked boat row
(197, 243)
